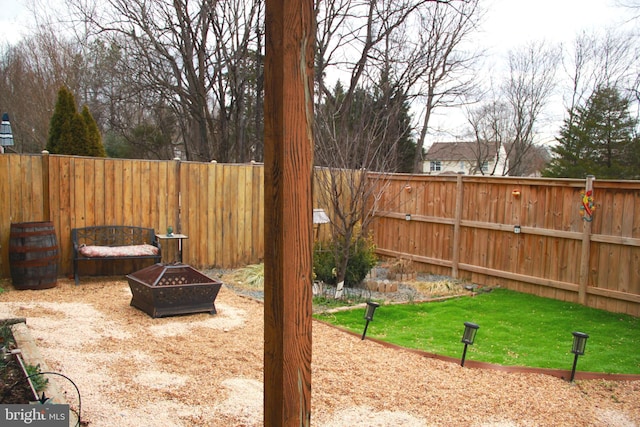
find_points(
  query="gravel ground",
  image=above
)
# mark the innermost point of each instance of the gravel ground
(203, 370)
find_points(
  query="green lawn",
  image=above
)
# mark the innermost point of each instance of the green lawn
(515, 329)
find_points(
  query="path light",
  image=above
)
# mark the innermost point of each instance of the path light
(468, 337)
(368, 315)
(579, 343)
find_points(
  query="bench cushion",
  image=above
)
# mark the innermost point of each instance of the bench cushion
(118, 251)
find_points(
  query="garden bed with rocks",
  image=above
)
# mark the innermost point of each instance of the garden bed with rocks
(204, 370)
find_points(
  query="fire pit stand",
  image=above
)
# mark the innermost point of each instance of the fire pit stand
(172, 289)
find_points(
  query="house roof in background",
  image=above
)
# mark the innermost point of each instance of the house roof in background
(461, 150)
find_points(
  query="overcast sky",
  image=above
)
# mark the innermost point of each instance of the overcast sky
(13, 14)
(510, 23)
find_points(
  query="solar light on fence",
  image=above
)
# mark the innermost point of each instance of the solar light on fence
(468, 337)
(579, 343)
(368, 315)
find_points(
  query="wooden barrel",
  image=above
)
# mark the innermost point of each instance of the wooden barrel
(33, 255)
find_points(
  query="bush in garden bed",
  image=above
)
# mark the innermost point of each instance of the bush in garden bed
(362, 259)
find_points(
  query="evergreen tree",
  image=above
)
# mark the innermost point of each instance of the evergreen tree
(60, 127)
(374, 132)
(394, 124)
(597, 139)
(80, 137)
(95, 148)
(71, 132)
(406, 144)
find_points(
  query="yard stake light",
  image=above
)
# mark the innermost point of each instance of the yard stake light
(579, 343)
(368, 315)
(468, 337)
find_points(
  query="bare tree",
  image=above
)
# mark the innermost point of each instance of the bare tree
(368, 142)
(239, 32)
(199, 57)
(633, 5)
(599, 60)
(491, 132)
(442, 66)
(530, 84)
(505, 121)
(348, 128)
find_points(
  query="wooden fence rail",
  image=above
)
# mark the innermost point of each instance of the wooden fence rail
(455, 225)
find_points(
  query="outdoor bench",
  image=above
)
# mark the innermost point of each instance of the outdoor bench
(113, 242)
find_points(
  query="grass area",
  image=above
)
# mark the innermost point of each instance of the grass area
(516, 329)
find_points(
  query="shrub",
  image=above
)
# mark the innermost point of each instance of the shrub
(362, 259)
(251, 276)
(71, 132)
(324, 263)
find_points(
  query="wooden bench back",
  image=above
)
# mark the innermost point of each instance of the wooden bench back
(113, 235)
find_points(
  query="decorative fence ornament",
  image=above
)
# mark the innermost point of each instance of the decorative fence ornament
(587, 207)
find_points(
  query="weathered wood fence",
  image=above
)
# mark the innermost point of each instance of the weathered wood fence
(454, 225)
(218, 206)
(466, 226)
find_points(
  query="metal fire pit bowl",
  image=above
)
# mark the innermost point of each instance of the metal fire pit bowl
(171, 289)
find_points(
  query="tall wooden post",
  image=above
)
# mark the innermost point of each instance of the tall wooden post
(288, 157)
(176, 221)
(46, 195)
(455, 256)
(585, 251)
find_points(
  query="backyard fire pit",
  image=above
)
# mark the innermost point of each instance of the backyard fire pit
(171, 289)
